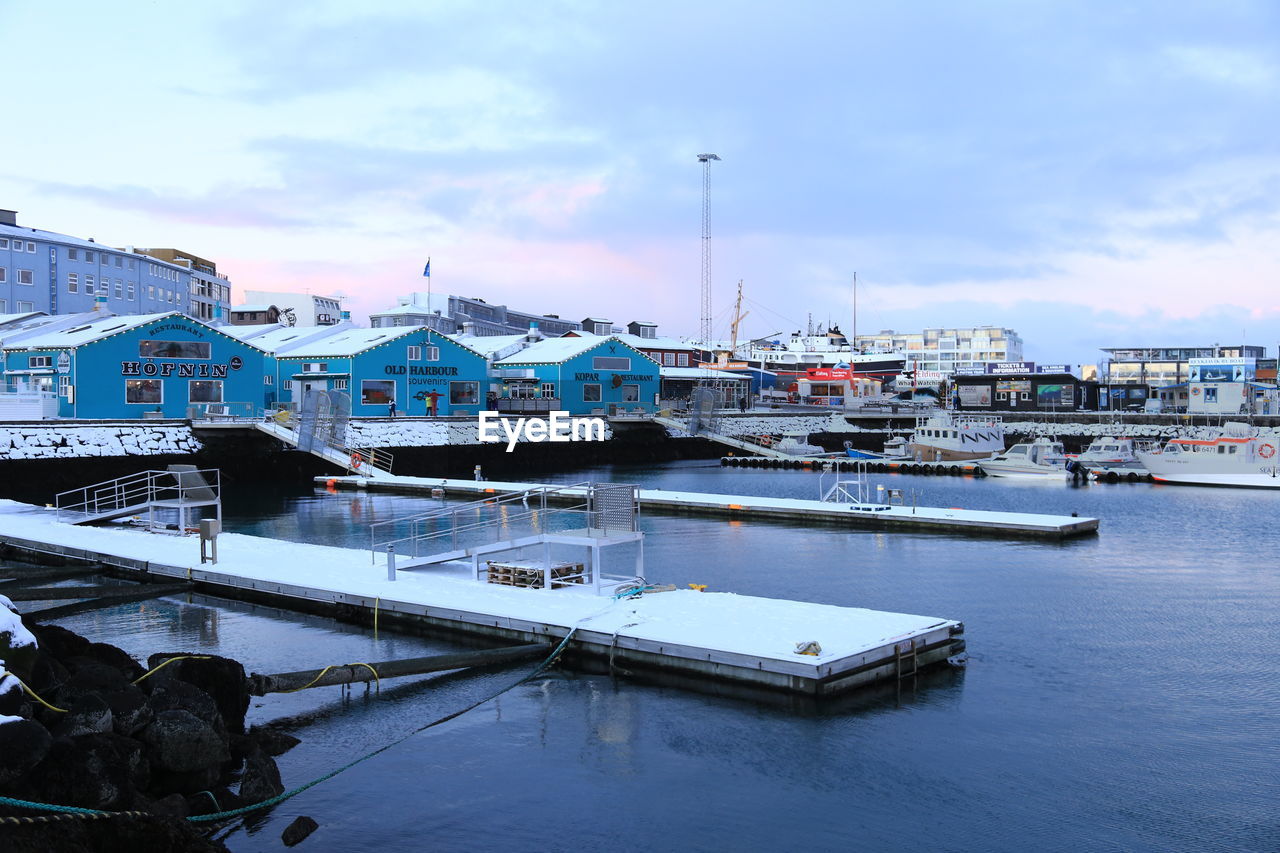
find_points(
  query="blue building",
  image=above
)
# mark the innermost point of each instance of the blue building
(105, 366)
(579, 375)
(58, 274)
(421, 371)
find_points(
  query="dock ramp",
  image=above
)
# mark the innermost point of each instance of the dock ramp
(155, 495)
(759, 445)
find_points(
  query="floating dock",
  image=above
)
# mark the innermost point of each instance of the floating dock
(876, 466)
(938, 519)
(708, 636)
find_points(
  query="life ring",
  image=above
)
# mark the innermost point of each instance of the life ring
(356, 461)
(766, 440)
(1266, 451)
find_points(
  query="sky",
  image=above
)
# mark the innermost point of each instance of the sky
(1088, 174)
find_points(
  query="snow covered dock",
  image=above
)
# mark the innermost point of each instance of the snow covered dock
(707, 635)
(941, 519)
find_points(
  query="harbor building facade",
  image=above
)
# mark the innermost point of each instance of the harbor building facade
(467, 315)
(1225, 386)
(947, 350)
(298, 309)
(420, 371)
(210, 295)
(580, 375)
(122, 367)
(1023, 387)
(59, 274)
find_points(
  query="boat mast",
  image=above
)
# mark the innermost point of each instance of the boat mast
(853, 339)
(738, 317)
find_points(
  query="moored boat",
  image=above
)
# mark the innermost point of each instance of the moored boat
(1238, 457)
(1039, 458)
(946, 437)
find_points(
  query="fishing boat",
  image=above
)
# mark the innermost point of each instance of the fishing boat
(946, 437)
(1238, 457)
(1040, 458)
(1108, 453)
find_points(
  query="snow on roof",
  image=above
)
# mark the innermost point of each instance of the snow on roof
(16, 231)
(699, 373)
(6, 319)
(244, 333)
(94, 328)
(557, 350)
(411, 308)
(642, 343)
(488, 344)
(263, 307)
(351, 341)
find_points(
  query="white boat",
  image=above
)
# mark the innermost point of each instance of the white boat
(1237, 457)
(1108, 453)
(954, 438)
(1039, 458)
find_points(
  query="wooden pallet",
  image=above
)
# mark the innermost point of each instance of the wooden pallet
(533, 575)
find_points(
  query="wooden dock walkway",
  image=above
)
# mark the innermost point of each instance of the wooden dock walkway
(939, 519)
(698, 636)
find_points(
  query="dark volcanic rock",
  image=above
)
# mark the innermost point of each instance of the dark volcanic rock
(23, 745)
(174, 695)
(181, 742)
(88, 715)
(114, 657)
(157, 834)
(130, 710)
(297, 831)
(96, 771)
(58, 641)
(89, 677)
(222, 678)
(261, 778)
(273, 741)
(12, 699)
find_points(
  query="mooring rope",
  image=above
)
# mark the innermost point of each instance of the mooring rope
(71, 812)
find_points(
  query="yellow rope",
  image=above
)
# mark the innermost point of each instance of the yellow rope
(320, 675)
(31, 692)
(169, 661)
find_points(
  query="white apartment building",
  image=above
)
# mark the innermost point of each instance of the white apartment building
(946, 350)
(308, 309)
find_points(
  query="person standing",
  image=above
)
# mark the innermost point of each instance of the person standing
(391, 407)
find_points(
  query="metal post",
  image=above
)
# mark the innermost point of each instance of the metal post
(391, 562)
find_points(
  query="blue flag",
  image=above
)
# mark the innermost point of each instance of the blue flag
(426, 271)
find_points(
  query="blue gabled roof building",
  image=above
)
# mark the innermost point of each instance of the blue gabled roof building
(582, 376)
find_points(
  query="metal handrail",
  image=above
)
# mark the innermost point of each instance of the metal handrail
(145, 488)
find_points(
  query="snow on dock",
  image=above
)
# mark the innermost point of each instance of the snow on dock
(942, 519)
(723, 636)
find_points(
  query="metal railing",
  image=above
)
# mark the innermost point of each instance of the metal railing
(596, 509)
(223, 412)
(146, 490)
(359, 460)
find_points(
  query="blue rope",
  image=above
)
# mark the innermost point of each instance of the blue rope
(542, 667)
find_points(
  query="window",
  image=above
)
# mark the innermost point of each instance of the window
(268, 380)
(119, 261)
(131, 263)
(88, 283)
(607, 362)
(130, 291)
(73, 282)
(73, 254)
(40, 361)
(26, 307)
(591, 392)
(682, 359)
(151, 291)
(88, 257)
(4, 307)
(26, 277)
(64, 387)
(4, 275)
(1002, 395)
(630, 393)
(143, 391)
(339, 384)
(433, 353)
(173, 349)
(315, 367)
(31, 247)
(415, 354)
(548, 389)
(119, 289)
(4, 242)
(204, 391)
(669, 359)
(377, 392)
(1026, 395)
(464, 393)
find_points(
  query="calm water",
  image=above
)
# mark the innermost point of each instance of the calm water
(1121, 692)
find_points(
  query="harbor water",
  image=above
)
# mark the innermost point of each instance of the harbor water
(1120, 692)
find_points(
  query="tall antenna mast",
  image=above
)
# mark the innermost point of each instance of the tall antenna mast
(705, 330)
(853, 339)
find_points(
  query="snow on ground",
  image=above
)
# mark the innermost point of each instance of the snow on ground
(67, 440)
(767, 628)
